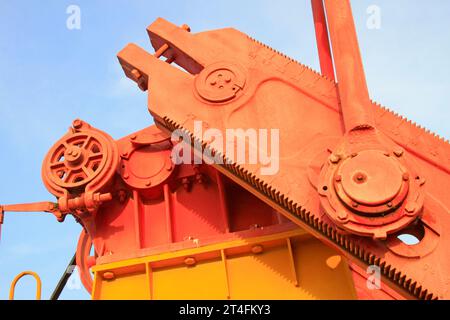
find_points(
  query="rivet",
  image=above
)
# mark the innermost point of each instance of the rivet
(338, 178)
(354, 204)
(257, 249)
(133, 137)
(405, 176)
(126, 176)
(148, 183)
(389, 204)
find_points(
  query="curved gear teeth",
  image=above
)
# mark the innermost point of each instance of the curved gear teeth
(315, 222)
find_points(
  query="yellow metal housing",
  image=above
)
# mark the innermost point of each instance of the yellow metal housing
(287, 265)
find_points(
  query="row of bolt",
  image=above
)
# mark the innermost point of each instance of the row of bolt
(188, 261)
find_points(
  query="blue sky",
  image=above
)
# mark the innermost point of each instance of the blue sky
(51, 75)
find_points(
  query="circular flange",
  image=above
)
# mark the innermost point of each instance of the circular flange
(220, 82)
(83, 156)
(371, 183)
(147, 167)
(370, 193)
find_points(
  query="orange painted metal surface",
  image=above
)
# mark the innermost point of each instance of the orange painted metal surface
(351, 173)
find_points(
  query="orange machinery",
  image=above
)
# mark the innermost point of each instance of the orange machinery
(352, 177)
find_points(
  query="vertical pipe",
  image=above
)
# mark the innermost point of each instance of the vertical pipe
(168, 212)
(323, 42)
(353, 92)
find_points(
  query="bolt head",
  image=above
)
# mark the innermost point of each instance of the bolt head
(410, 208)
(334, 158)
(186, 27)
(257, 249)
(343, 216)
(398, 152)
(77, 124)
(190, 261)
(108, 275)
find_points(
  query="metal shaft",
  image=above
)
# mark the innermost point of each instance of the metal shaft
(353, 92)
(323, 41)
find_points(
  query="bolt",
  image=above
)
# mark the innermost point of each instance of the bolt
(77, 124)
(189, 261)
(199, 178)
(122, 196)
(334, 158)
(410, 208)
(136, 74)
(109, 275)
(186, 184)
(228, 79)
(257, 249)
(389, 204)
(213, 82)
(343, 216)
(148, 183)
(186, 27)
(398, 152)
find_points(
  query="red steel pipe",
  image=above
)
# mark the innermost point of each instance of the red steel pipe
(323, 41)
(353, 92)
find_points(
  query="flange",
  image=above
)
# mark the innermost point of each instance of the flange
(371, 192)
(147, 162)
(220, 82)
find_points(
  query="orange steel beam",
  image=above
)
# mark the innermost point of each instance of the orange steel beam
(323, 41)
(353, 91)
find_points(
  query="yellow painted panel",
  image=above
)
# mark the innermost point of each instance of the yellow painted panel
(132, 286)
(206, 280)
(272, 274)
(321, 280)
(264, 276)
